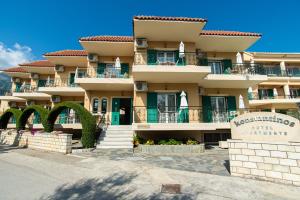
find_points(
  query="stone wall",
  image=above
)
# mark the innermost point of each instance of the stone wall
(171, 149)
(276, 162)
(40, 140)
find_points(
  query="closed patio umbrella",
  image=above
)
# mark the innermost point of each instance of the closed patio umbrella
(48, 81)
(239, 59)
(117, 63)
(181, 50)
(241, 102)
(22, 88)
(183, 109)
(275, 93)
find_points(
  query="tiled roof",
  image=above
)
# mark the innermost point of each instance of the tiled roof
(229, 33)
(39, 63)
(159, 18)
(15, 69)
(67, 53)
(107, 38)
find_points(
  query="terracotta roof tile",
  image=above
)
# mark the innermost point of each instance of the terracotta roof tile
(39, 63)
(106, 38)
(160, 18)
(67, 53)
(15, 69)
(229, 33)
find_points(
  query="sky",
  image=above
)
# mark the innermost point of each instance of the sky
(30, 28)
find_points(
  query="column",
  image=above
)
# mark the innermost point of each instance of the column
(286, 89)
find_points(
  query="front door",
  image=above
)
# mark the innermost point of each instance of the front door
(166, 103)
(115, 114)
(121, 111)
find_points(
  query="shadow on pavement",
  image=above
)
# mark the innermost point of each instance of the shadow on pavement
(6, 148)
(113, 187)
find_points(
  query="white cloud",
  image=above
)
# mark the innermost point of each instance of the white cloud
(15, 55)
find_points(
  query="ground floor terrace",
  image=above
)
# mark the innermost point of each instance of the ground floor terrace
(123, 174)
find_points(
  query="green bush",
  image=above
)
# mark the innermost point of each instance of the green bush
(162, 142)
(137, 140)
(191, 142)
(4, 119)
(150, 142)
(21, 122)
(87, 120)
(169, 142)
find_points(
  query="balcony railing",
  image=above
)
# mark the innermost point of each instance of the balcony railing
(141, 58)
(193, 114)
(106, 72)
(61, 82)
(256, 96)
(275, 71)
(235, 68)
(25, 89)
(67, 119)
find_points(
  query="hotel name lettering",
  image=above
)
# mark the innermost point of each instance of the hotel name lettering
(265, 129)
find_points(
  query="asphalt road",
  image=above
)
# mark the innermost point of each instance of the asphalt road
(30, 174)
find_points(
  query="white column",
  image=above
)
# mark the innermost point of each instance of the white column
(286, 89)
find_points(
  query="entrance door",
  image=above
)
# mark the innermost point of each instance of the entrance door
(219, 109)
(115, 114)
(121, 111)
(166, 103)
(72, 80)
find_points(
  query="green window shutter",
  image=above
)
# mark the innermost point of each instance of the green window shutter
(203, 62)
(227, 63)
(115, 115)
(270, 93)
(101, 68)
(36, 118)
(18, 87)
(206, 107)
(125, 68)
(63, 116)
(260, 94)
(72, 79)
(42, 83)
(152, 114)
(152, 57)
(231, 106)
(183, 115)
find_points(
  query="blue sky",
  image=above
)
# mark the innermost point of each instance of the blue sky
(39, 26)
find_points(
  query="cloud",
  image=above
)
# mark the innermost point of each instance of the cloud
(15, 55)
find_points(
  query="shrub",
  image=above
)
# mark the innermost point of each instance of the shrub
(191, 142)
(169, 142)
(21, 123)
(87, 120)
(7, 115)
(162, 142)
(137, 140)
(150, 142)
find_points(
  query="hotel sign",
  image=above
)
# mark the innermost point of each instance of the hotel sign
(265, 126)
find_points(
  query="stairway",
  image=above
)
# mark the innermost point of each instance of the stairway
(116, 137)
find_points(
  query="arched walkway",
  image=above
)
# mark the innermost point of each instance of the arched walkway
(4, 119)
(43, 112)
(86, 118)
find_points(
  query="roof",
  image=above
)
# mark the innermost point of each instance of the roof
(39, 63)
(67, 53)
(229, 33)
(106, 38)
(161, 18)
(15, 69)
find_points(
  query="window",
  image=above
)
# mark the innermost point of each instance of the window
(294, 92)
(219, 109)
(95, 105)
(216, 66)
(166, 57)
(104, 105)
(81, 74)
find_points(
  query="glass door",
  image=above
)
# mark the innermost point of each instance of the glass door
(219, 109)
(216, 67)
(166, 104)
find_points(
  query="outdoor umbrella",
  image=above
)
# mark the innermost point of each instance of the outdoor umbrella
(23, 86)
(117, 63)
(183, 109)
(250, 93)
(275, 93)
(48, 81)
(241, 102)
(239, 59)
(181, 50)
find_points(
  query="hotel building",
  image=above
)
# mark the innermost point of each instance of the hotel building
(136, 83)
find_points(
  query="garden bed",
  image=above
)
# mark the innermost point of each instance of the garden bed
(171, 149)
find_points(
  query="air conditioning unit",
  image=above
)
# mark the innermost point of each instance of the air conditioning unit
(17, 80)
(200, 91)
(59, 68)
(55, 99)
(140, 86)
(93, 58)
(141, 43)
(34, 76)
(30, 102)
(12, 104)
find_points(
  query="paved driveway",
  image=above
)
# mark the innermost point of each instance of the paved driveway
(30, 174)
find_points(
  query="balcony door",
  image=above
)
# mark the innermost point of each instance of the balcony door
(219, 109)
(216, 67)
(166, 103)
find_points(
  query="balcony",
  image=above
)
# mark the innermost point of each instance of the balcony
(233, 75)
(168, 68)
(29, 92)
(7, 96)
(257, 100)
(105, 78)
(62, 87)
(190, 118)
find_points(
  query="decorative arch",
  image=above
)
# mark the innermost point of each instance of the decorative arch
(4, 119)
(28, 111)
(87, 120)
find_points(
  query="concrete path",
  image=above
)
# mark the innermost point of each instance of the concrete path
(29, 174)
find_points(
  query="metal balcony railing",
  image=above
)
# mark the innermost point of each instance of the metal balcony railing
(61, 82)
(25, 89)
(104, 72)
(256, 96)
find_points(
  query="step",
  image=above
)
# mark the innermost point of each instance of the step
(114, 147)
(116, 135)
(125, 127)
(115, 142)
(115, 139)
(118, 131)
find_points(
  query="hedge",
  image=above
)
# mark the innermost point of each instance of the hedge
(21, 123)
(87, 120)
(7, 115)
